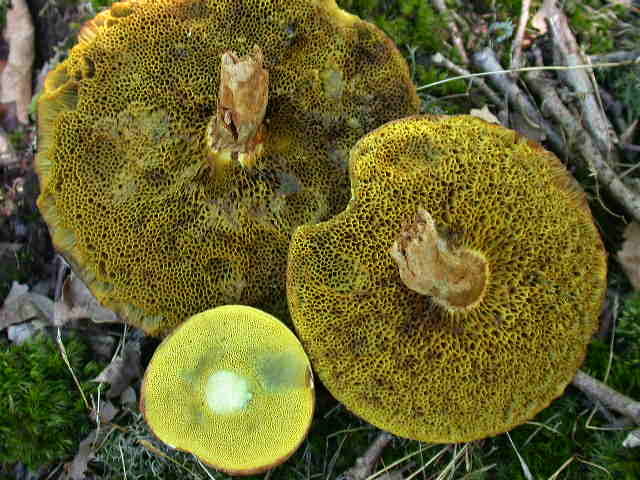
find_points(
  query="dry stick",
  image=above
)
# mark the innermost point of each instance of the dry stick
(442, 61)
(553, 106)
(486, 60)
(529, 69)
(622, 56)
(615, 109)
(608, 396)
(516, 50)
(453, 30)
(365, 464)
(567, 52)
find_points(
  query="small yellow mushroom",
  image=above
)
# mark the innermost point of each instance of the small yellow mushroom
(233, 386)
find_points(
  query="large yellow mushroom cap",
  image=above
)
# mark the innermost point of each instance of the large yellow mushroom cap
(455, 297)
(167, 184)
(233, 386)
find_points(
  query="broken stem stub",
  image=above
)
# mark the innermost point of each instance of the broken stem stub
(456, 278)
(236, 132)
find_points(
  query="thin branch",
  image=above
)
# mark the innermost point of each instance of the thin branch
(456, 37)
(622, 56)
(365, 464)
(615, 110)
(553, 106)
(530, 69)
(486, 60)
(516, 57)
(608, 396)
(567, 52)
(442, 61)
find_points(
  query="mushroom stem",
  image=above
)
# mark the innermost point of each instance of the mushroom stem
(456, 278)
(236, 132)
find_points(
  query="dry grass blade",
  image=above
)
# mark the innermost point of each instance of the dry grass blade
(426, 465)
(525, 468)
(562, 467)
(398, 462)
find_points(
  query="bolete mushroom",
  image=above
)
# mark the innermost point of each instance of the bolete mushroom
(455, 296)
(182, 141)
(233, 386)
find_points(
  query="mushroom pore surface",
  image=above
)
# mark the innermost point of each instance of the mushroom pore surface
(171, 190)
(489, 325)
(233, 386)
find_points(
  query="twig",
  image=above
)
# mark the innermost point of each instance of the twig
(365, 464)
(442, 61)
(608, 396)
(622, 56)
(453, 30)
(633, 148)
(615, 110)
(486, 60)
(567, 52)
(530, 69)
(516, 57)
(553, 106)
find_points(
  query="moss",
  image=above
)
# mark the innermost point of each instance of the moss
(625, 360)
(412, 24)
(42, 418)
(598, 23)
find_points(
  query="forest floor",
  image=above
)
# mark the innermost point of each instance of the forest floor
(589, 117)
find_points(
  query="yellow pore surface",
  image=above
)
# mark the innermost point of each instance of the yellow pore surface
(250, 345)
(127, 189)
(412, 367)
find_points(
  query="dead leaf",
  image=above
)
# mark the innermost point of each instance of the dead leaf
(629, 255)
(123, 370)
(129, 397)
(22, 306)
(78, 302)
(485, 114)
(77, 468)
(105, 413)
(15, 80)
(18, 334)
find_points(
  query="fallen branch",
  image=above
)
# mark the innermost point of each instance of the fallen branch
(516, 48)
(567, 52)
(622, 56)
(442, 61)
(553, 106)
(607, 396)
(365, 464)
(456, 37)
(486, 61)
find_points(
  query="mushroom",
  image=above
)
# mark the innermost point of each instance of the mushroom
(233, 386)
(455, 296)
(182, 142)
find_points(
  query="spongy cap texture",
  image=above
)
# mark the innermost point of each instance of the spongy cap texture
(251, 348)
(420, 370)
(126, 190)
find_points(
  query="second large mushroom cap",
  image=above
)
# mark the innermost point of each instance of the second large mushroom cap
(455, 296)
